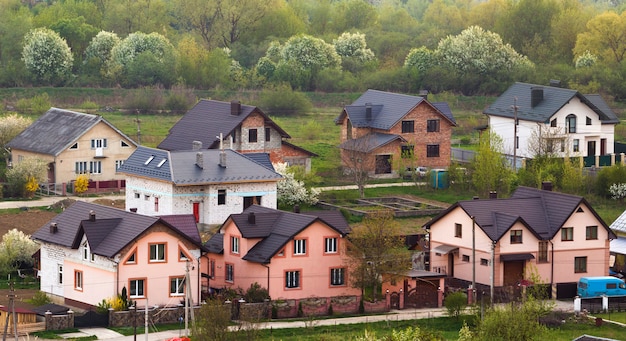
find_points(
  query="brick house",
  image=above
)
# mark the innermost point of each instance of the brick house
(244, 128)
(380, 129)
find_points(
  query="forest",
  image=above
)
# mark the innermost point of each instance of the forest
(459, 46)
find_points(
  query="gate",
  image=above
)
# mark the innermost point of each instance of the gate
(91, 319)
(424, 295)
(395, 300)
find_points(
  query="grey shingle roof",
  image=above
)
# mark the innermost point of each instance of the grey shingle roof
(543, 212)
(207, 120)
(369, 142)
(554, 99)
(387, 109)
(57, 130)
(276, 228)
(180, 167)
(111, 230)
(619, 225)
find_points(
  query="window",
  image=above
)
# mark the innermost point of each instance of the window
(146, 197)
(570, 123)
(123, 144)
(157, 252)
(177, 286)
(156, 204)
(337, 276)
(458, 230)
(132, 259)
(149, 160)
(432, 150)
(516, 142)
(484, 261)
(330, 245)
(408, 127)
(406, 151)
(576, 144)
(137, 288)
(118, 163)
(234, 244)
(588, 121)
(292, 279)
(592, 232)
(212, 268)
(221, 197)
(60, 273)
(516, 236)
(252, 135)
(268, 134)
(234, 136)
(85, 250)
(81, 167)
(432, 126)
(230, 273)
(542, 255)
(567, 234)
(98, 143)
(553, 123)
(580, 264)
(466, 258)
(78, 280)
(95, 167)
(182, 255)
(299, 247)
(281, 253)
(161, 163)
(74, 146)
(137, 195)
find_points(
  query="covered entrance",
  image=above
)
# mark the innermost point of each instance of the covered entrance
(514, 267)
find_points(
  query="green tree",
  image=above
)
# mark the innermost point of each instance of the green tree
(377, 253)
(16, 251)
(490, 169)
(11, 125)
(455, 303)
(352, 15)
(98, 53)
(77, 33)
(212, 322)
(353, 50)
(126, 17)
(199, 17)
(47, 56)
(566, 26)
(513, 322)
(238, 17)
(15, 22)
(604, 37)
(443, 19)
(24, 171)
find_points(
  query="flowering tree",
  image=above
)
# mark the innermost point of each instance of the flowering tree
(310, 52)
(420, 58)
(292, 191)
(24, 173)
(352, 49)
(618, 191)
(99, 49)
(587, 59)
(47, 56)
(16, 249)
(10, 126)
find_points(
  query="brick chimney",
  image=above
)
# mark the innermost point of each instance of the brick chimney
(251, 218)
(493, 195)
(92, 215)
(546, 185)
(196, 145)
(200, 160)
(53, 227)
(235, 108)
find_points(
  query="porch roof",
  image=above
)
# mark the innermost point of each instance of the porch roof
(516, 257)
(444, 249)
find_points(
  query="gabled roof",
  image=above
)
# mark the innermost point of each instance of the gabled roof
(519, 94)
(387, 109)
(619, 225)
(57, 130)
(107, 234)
(543, 212)
(369, 142)
(275, 228)
(180, 167)
(206, 121)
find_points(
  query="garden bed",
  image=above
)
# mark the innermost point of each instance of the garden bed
(402, 207)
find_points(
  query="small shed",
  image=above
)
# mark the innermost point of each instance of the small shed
(23, 316)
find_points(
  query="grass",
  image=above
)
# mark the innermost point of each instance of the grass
(613, 316)
(127, 331)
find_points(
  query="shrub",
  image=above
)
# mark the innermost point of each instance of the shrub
(212, 322)
(89, 105)
(39, 299)
(455, 303)
(36, 105)
(81, 184)
(256, 293)
(144, 99)
(179, 99)
(282, 100)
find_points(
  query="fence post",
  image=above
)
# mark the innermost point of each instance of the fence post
(48, 316)
(612, 159)
(64, 189)
(621, 158)
(597, 157)
(605, 303)
(577, 303)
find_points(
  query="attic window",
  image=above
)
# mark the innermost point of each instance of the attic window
(74, 146)
(124, 144)
(553, 123)
(580, 210)
(161, 163)
(149, 159)
(588, 122)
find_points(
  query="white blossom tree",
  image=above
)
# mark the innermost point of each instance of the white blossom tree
(16, 250)
(126, 51)
(352, 48)
(99, 49)
(420, 58)
(310, 52)
(29, 171)
(10, 126)
(47, 56)
(292, 191)
(618, 191)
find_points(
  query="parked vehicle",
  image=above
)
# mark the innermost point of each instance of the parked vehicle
(419, 172)
(599, 286)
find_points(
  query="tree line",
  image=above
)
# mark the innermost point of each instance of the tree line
(315, 45)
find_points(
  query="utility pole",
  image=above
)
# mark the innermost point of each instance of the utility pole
(515, 133)
(11, 311)
(493, 268)
(138, 121)
(473, 260)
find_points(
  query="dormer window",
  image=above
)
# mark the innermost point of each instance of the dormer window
(149, 160)
(161, 163)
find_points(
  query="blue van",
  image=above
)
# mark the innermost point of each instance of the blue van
(598, 286)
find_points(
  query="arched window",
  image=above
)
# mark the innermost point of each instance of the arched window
(570, 123)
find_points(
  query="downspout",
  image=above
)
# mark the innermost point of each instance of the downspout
(199, 276)
(552, 289)
(268, 277)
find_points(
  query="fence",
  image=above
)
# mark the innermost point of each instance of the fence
(94, 187)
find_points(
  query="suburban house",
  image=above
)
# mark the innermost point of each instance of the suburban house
(90, 252)
(618, 245)
(211, 184)
(73, 143)
(294, 255)
(241, 127)
(552, 120)
(557, 236)
(380, 129)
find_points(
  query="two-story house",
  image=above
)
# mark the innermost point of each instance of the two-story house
(382, 127)
(557, 236)
(547, 120)
(89, 253)
(211, 184)
(73, 143)
(293, 255)
(244, 128)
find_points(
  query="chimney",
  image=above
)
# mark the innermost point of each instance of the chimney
(223, 159)
(368, 111)
(546, 185)
(555, 83)
(133, 209)
(235, 108)
(476, 197)
(493, 195)
(53, 227)
(536, 95)
(423, 94)
(296, 209)
(199, 160)
(92, 215)
(251, 218)
(196, 145)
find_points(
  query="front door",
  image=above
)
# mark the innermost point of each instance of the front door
(513, 272)
(196, 211)
(591, 148)
(602, 146)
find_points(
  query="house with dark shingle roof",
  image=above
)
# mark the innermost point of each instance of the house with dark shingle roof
(293, 255)
(89, 253)
(557, 236)
(211, 184)
(244, 128)
(552, 120)
(73, 143)
(380, 129)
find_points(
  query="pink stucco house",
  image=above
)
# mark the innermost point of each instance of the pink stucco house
(90, 252)
(558, 236)
(293, 255)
